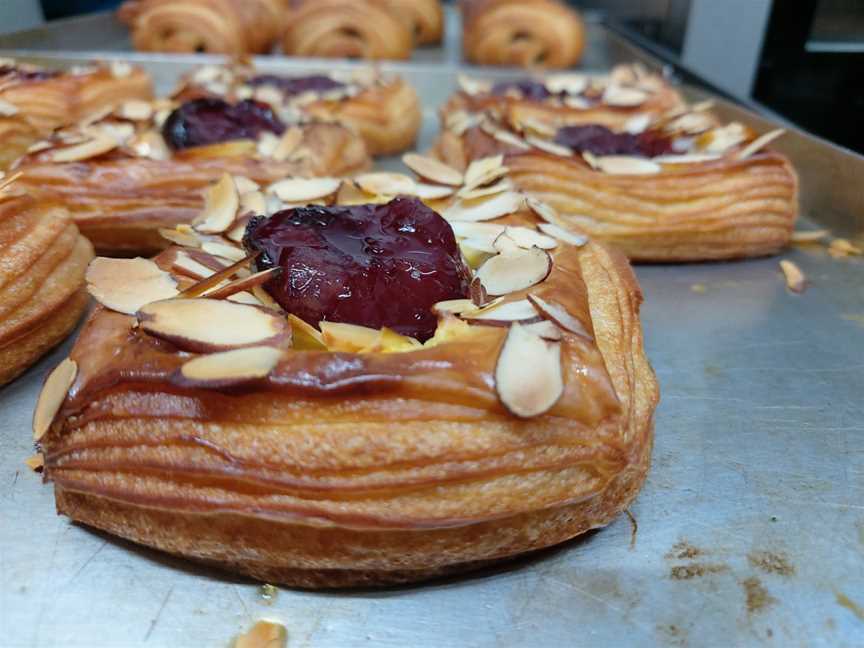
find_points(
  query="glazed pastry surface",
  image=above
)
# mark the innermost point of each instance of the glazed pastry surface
(42, 295)
(426, 18)
(533, 33)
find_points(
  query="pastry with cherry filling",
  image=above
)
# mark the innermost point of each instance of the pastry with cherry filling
(400, 379)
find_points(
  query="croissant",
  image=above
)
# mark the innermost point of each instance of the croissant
(213, 26)
(42, 294)
(425, 16)
(359, 29)
(724, 196)
(383, 109)
(375, 458)
(524, 33)
(122, 184)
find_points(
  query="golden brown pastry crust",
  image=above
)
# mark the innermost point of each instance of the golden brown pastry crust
(360, 29)
(426, 18)
(213, 26)
(42, 295)
(120, 202)
(346, 469)
(525, 33)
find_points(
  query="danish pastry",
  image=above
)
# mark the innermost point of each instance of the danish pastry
(34, 100)
(358, 29)
(426, 18)
(42, 294)
(383, 109)
(358, 414)
(524, 33)
(143, 167)
(680, 189)
(234, 27)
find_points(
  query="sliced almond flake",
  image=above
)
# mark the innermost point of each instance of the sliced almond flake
(686, 158)
(720, 140)
(6, 182)
(691, 123)
(795, 279)
(433, 192)
(637, 124)
(213, 276)
(39, 146)
(53, 394)
(305, 337)
(208, 325)
(245, 185)
(578, 103)
(243, 297)
(85, 151)
(181, 237)
(185, 264)
(119, 132)
(537, 127)
(558, 314)
(467, 229)
(625, 165)
(525, 237)
(703, 106)
(473, 245)
(120, 69)
(208, 73)
(545, 329)
(240, 285)
(453, 306)
(543, 209)
(135, 109)
(264, 297)
(267, 144)
(616, 95)
(470, 193)
(514, 271)
(473, 86)
(433, 170)
(759, 143)
(348, 338)
(125, 285)
(549, 147)
(254, 202)
(268, 94)
(502, 311)
(288, 144)
(386, 184)
(810, 236)
(230, 252)
(495, 207)
(8, 109)
(220, 207)
(485, 170)
(233, 367)
(571, 84)
(528, 375)
(150, 144)
(299, 190)
(460, 121)
(566, 236)
(506, 137)
(841, 247)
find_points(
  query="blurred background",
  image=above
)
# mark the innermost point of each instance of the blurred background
(803, 59)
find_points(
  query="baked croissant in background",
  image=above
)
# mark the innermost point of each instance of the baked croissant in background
(210, 26)
(525, 33)
(360, 29)
(426, 18)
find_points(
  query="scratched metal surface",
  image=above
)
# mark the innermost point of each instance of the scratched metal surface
(751, 523)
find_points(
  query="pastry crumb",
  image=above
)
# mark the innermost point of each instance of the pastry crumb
(699, 288)
(810, 236)
(35, 463)
(840, 247)
(795, 279)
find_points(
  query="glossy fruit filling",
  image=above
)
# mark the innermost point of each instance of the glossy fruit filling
(599, 140)
(210, 121)
(372, 265)
(296, 85)
(8, 72)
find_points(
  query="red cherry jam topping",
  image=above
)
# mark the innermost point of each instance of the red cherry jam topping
(10, 72)
(209, 121)
(599, 140)
(372, 265)
(291, 86)
(528, 88)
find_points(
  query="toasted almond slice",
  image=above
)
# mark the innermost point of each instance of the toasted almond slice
(264, 297)
(242, 284)
(545, 329)
(485, 170)
(433, 192)
(795, 279)
(230, 252)
(120, 69)
(8, 109)
(220, 207)
(759, 143)
(386, 184)
(288, 144)
(502, 311)
(506, 137)
(244, 297)
(687, 158)
(470, 193)
(432, 169)
(476, 252)
(231, 367)
(467, 229)
(571, 84)
(125, 285)
(460, 121)
(207, 325)
(305, 337)
(841, 247)
(560, 316)
(453, 306)
(548, 146)
(616, 95)
(254, 202)
(264, 634)
(267, 144)
(626, 165)
(637, 124)
(245, 185)
(514, 271)
(216, 277)
(543, 209)
(577, 103)
(53, 394)
(349, 338)
(186, 265)
(691, 123)
(85, 151)
(135, 109)
(389, 341)
(537, 127)
(238, 228)
(528, 375)
(720, 140)
(811, 236)
(495, 207)
(473, 86)
(525, 237)
(298, 190)
(571, 238)
(149, 144)
(35, 462)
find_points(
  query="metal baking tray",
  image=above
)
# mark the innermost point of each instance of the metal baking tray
(750, 525)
